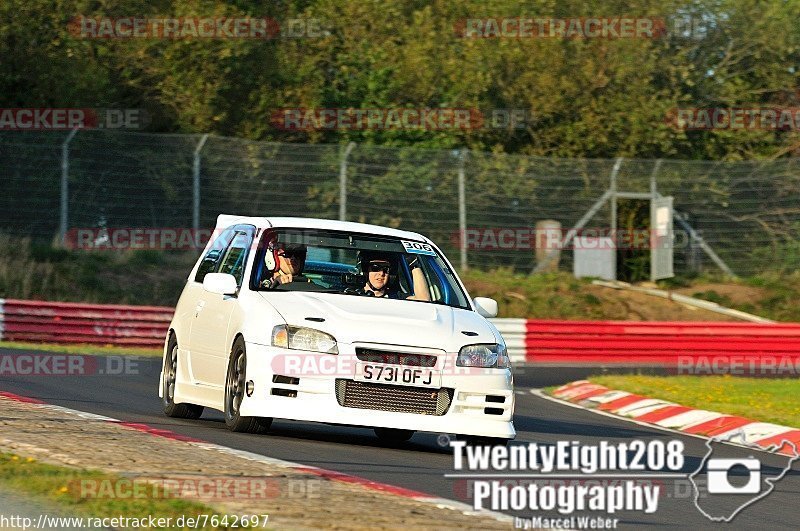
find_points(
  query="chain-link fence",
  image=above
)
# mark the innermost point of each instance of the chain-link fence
(748, 212)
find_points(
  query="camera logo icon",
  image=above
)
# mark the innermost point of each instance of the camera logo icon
(725, 487)
(719, 476)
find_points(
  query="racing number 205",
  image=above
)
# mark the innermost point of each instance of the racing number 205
(397, 374)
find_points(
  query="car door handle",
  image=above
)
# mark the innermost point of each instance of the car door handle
(199, 307)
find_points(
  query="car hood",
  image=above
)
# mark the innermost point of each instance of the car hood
(353, 319)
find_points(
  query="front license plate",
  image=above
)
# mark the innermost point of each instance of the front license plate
(398, 375)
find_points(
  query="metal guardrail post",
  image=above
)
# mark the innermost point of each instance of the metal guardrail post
(196, 184)
(343, 181)
(64, 217)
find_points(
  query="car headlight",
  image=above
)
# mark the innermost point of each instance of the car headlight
(492, 356)
(302, 338)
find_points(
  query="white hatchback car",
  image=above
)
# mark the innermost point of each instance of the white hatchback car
(375, 329)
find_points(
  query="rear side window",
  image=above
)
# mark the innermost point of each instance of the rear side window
(214, 254)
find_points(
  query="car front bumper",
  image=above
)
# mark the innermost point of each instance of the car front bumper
(481, 400)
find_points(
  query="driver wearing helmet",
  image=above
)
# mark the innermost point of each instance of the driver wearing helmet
(286, 265)
(378, 270)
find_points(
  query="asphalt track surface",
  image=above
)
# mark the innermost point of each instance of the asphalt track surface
(421, 464)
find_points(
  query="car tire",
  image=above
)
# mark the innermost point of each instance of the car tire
(474, 440)
(168, 382)
(234, 394)
(393, 435)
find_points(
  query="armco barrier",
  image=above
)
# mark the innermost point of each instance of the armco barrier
(663, 344)
(528, 341)
(69, 322)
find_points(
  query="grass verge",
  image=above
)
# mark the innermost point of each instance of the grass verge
(770, 294)
(100, 350)
(31, 270)
(61, 487)
(556, 295)
(767, 400)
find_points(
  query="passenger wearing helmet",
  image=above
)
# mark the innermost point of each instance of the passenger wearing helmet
(286, 264)
(378, 269)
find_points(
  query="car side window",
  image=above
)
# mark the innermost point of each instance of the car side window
(213, 255)
(235, 256)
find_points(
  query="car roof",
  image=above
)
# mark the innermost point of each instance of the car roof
(226, 220)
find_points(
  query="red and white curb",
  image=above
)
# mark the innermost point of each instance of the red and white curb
(331, 475)
(674, 417)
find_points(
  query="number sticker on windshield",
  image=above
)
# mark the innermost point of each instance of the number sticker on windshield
(418, 248)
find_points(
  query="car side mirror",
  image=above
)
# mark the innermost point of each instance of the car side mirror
(485, 306)
(220, 283)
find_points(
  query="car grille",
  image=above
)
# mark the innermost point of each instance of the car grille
(396, 358)
(399, 398)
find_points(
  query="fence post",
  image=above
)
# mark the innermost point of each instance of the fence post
(64, 218)
(653, 231)
(654, 180)
(196, 184)
(462, 210)
(612, 185)
(343, 181)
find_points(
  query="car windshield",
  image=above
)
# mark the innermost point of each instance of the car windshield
(357, 265)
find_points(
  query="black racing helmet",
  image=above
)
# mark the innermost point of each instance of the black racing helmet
(367, 257)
